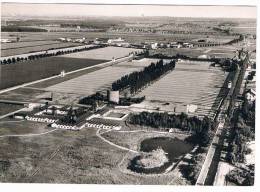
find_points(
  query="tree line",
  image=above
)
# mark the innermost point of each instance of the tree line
(13, 28)
(198, 127)
(242, 132)
(14, 60)
(138, 79)
(227, 64)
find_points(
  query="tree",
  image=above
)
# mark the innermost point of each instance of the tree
(137, 80)
(9, 61)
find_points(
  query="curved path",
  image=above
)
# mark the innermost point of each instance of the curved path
(29, 135)
(98, 134)
(140, 130)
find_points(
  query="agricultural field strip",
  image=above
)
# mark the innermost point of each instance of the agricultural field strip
(187, 89)
(188, 86)
(103, 79)
(48, 78)
(40, 50)
(58, 61)
(106, 53)
(5, 46)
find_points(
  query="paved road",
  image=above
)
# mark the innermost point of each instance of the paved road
(211, 152)
(223, 169)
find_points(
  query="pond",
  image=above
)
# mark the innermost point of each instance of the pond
(174, 149)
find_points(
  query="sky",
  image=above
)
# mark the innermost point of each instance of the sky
(58, 10)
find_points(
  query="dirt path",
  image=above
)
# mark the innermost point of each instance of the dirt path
(98, 134)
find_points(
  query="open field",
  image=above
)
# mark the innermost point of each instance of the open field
(190, 83)
(67, 77)
(21, 127)
(106, 53)
(28, 71)
(72, 157)
(18, 44)
(35, 48)
(22, 94)
(7, 108)
(218, 51)
(39, 36)
(102, 78)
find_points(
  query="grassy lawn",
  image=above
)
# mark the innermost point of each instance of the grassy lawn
(8, 108)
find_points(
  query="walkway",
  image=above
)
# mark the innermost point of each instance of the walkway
(98, 134)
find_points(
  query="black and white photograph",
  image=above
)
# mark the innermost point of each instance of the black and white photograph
(114, 93)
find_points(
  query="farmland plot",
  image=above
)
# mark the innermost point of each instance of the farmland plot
(190, 83)
(40, 36)
(25, 44)
(106, 53)
(99, 80)
(28, 71)
(16, 50)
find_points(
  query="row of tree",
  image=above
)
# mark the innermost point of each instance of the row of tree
(91, 99)
(198, 127)
(14, 28)
(42, 55)
(240, 38)
(242, 132)
(242, 177)
(227, 64)
(138, 79)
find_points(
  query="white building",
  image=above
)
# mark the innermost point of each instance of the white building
(251, 95)
(116, 41)
(5, 41)
(80, 40)
(188, 45)
(204, 57)
(176, 45)
(154, 45)
(113, 96)
(191, 108)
